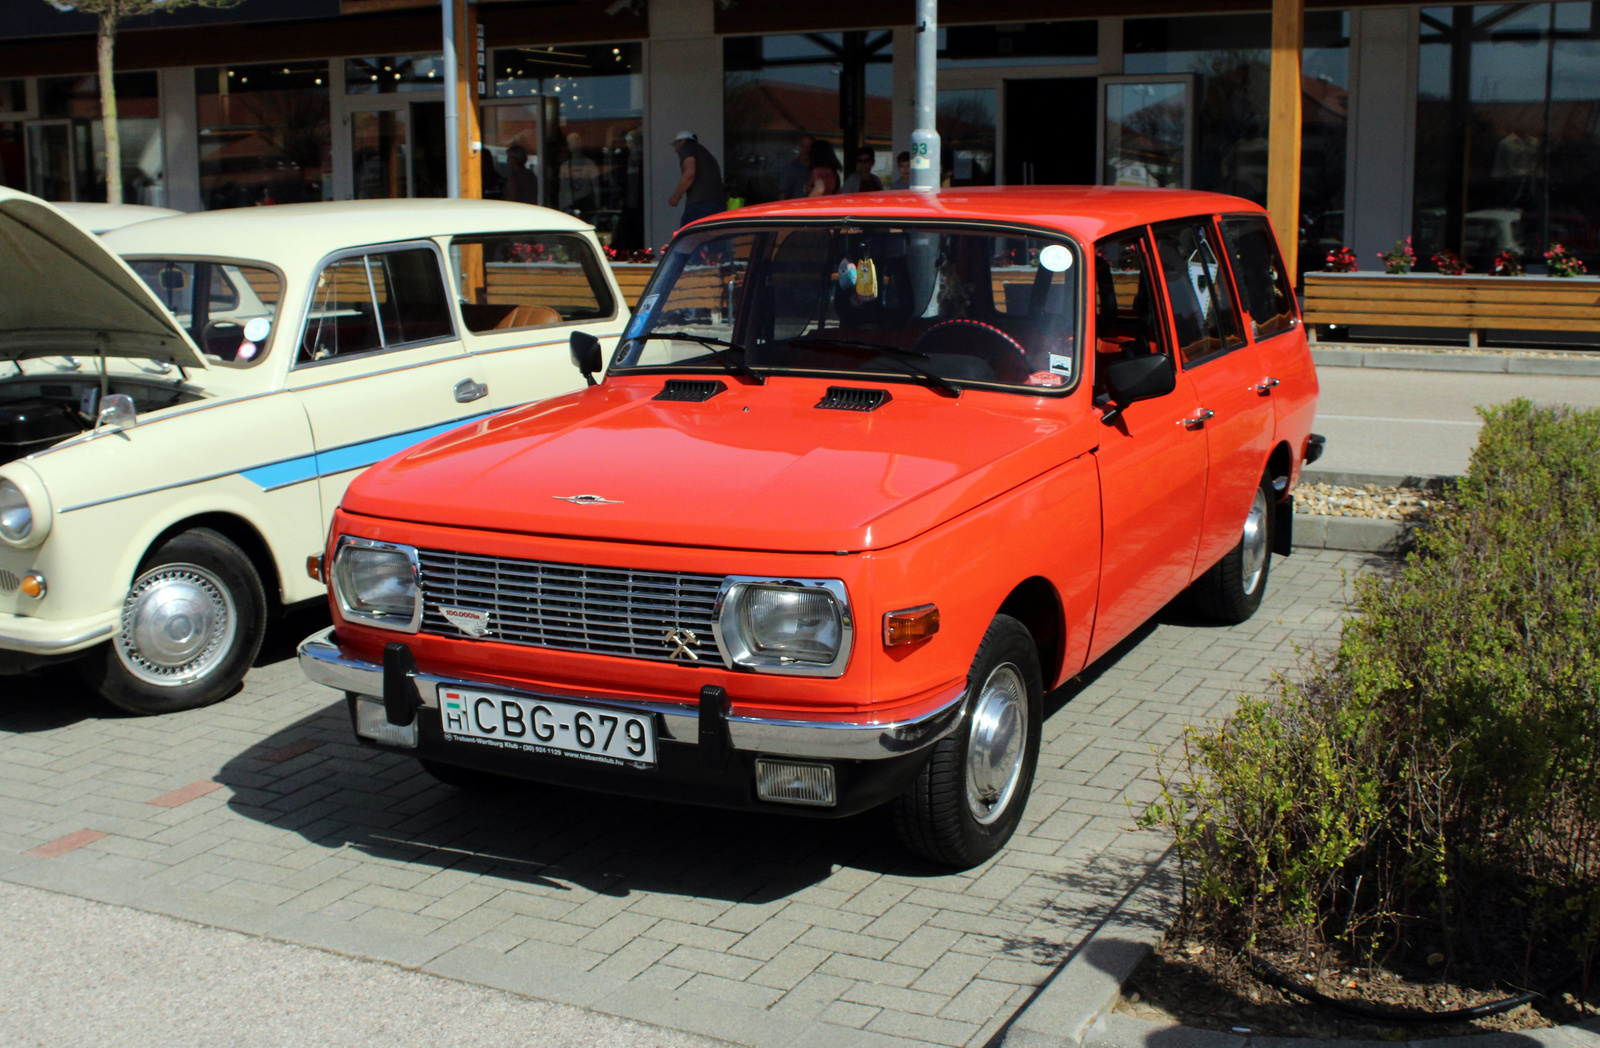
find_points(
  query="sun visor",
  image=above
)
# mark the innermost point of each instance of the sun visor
(62, 292)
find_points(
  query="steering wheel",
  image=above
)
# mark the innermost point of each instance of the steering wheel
(969, 335)
(228, 329)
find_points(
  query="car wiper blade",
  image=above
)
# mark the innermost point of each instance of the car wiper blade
(738, 367)
(908, 357)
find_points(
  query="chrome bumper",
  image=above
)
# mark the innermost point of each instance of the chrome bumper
(322, 662)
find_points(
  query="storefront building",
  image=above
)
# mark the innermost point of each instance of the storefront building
(1474, 127)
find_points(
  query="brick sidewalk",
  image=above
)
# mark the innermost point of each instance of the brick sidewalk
(261, 815)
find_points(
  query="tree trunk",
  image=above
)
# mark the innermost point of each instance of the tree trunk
(105, 42)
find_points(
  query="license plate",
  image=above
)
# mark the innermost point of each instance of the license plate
(547, 727)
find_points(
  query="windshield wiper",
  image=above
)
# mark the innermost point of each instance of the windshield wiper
(738, 367)
(908, 357)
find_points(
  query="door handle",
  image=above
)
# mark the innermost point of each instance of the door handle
(467, 391)
(1198, 418)
(1265, 385)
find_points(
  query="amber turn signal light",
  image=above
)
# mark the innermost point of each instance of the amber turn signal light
(910, 625)
(33, 585)
(314, 567)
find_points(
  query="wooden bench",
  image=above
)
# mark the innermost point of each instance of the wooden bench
(1473, 302)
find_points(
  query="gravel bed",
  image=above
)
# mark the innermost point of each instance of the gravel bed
(1370, 500)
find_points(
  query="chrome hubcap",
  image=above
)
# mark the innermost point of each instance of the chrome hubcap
(1254, 544)
(996, 734)
(177, 624)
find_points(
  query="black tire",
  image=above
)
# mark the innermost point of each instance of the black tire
(196, 574)
(469, 779)
(936, 816)
(1231, 591)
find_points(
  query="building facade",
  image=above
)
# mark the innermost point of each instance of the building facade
(1474, 127)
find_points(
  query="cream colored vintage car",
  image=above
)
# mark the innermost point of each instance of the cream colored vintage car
(179, 424)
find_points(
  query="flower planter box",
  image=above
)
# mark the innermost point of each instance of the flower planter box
(1473, 302)
(631, 278)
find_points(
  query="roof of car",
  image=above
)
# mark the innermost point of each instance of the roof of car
(292, 236)
(1088, 211)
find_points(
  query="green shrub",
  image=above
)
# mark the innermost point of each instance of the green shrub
(1447, 758)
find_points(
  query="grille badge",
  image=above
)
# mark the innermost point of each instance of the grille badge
(679, 640)
(588, 500)
(472, 623)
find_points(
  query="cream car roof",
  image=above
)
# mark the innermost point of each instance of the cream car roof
(294, 237)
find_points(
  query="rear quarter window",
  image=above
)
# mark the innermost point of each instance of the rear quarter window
(1263, 284)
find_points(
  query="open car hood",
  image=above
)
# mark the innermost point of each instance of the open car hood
(62, 292)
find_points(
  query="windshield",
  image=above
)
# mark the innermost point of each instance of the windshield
(942, 305)
(232, 315)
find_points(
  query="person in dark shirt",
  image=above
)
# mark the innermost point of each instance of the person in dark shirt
(522, 185)
(700, 180)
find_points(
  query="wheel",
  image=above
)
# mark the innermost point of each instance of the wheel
(469, 779)
(1231, 591)
(192, 624)
(966, 801)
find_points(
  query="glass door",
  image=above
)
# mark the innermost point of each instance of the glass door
(50, 160)
(378, 154)
(1146, 130)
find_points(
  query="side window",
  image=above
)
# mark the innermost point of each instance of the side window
(1127, 317)
(377, 301)
(1263, 283)
(528, 280)
(1203, 316)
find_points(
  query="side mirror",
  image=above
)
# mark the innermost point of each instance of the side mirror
(585, 354)
(1138, 378)
(116, 412)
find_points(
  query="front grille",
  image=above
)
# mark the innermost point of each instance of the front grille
(571, 607)
(8, 581)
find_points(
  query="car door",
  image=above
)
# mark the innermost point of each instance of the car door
(521, 296)
(1225, 370)
(1288, 374)
(1152, 458)
(379, 365)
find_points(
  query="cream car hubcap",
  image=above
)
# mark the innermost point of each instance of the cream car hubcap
(997, 735)
(178, 623)
(1254, 544)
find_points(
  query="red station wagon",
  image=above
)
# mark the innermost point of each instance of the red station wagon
(866, 476)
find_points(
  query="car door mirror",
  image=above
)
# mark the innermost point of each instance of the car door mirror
(1141, 378)
(585, 354)
(116, 412)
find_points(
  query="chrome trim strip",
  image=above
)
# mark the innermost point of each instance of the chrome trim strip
(51, 647)
(323, 662)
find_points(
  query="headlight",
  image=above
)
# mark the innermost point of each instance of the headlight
(795, 626)
(16, 516)
(376, 584)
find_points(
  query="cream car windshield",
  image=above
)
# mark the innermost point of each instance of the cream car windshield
(947, 306)
(228, 308)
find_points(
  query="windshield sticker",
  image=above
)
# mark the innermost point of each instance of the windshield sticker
(1061, 365)
(247, 351)
(1055, 258)
(1044, 378)
(647, 304)
(257, 329)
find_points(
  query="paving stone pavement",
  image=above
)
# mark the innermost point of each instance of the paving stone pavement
(263, 816)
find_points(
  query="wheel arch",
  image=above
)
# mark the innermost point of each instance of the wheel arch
(1036, 604)
(241, 533)
(1280, 467)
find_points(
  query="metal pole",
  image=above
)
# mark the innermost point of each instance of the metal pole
(452, 111)
(925, 139)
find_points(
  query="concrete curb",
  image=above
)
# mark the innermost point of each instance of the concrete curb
(1312, 475)
(1346, 356)
(1351, 534)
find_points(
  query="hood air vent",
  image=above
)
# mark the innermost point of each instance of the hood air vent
(694, 390)
(849, 398)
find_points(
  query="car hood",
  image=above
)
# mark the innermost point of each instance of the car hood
(62, 292)
(755, 467)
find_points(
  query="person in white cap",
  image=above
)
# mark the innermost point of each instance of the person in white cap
(700, 181)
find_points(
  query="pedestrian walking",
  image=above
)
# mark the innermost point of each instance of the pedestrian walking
(902, 171)
(699, 180)
(862, 180)
(824, 170)
(795, 177)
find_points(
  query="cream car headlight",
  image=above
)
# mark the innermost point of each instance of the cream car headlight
(24, 509)
(793, 626)
(378, 584)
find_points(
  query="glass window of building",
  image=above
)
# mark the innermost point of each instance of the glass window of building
(565, 129)
(1019, 44)
(263, 133)
(1230, 57)
(66, 148)
(783, 92)
(1508, 132)
(13, 97)
(387, 74)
